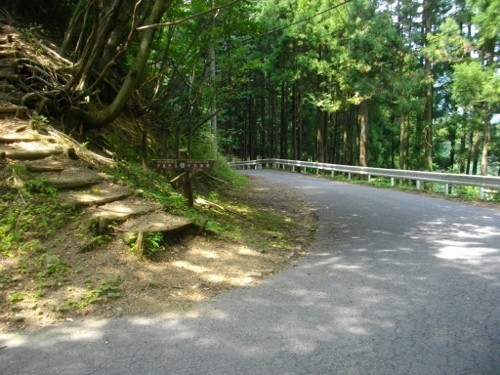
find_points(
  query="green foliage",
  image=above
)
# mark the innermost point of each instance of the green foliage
(474, 84)
(28, 218)
(108, 289)
(467, 192)
(153, 243)
(39, 122)
(14, 297)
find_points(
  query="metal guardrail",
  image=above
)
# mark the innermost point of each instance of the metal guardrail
(447, 179)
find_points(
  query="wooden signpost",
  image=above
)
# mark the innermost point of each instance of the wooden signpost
(187, 167)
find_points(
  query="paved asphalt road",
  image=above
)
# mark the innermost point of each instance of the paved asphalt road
(395, 284)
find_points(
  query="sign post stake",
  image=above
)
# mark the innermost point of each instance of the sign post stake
(188, 167)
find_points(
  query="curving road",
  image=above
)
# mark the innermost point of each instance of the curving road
(394, 284)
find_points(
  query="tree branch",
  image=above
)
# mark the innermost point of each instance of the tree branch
(182, 20)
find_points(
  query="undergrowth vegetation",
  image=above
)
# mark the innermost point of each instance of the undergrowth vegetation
(33, 222)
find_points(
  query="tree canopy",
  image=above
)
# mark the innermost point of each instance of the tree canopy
(398, 84)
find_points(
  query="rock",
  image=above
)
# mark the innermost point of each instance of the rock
(129, 237)
(19, 318)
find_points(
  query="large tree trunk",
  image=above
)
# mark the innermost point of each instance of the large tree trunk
(104, 116)
(363, 133)
(283, 123)
(429, 7)
(213, 99)
(476, 139)
(486, 143)
(299, 124)
(320, 135)
(272, 123)
(252, 128)
(403, 142)
(262, 128)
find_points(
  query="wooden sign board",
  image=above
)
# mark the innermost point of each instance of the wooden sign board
(189, 165)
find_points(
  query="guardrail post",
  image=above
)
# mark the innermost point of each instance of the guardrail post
(333, 174)
(349, 175)
(418, 185)
(481, 193)
(446, 189)
(393, 183)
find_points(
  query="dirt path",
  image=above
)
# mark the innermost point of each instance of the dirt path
(193, 269)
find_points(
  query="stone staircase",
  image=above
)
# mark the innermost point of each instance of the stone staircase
(10, 94)
(54, 159)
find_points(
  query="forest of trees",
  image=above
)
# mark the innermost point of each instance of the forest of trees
(396, 84)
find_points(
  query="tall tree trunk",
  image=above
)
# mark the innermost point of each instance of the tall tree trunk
(213, 99)
(462, 159)
(295, 155)
(283, 123)
(272, 122)
(403, 142)
(252, 128)
(363, 133)
(335, 138)
(246, 140)
(263, 137)
(345, 137)
(453, 143)
(486, 143)
(476, 139)
(320, 135)
(427, 23)
(299, 124)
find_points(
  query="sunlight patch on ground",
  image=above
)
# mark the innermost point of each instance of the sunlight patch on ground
(189, 266)
(247, 251)
(208, 254)
(474, 231)
(465, 251)
(85, 331)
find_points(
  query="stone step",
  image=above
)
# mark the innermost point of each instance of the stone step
(125, 209)
(98, 195)
(72, 178)
(160, 222)
(50, 164)
(24, 153)
(118, 211)
(23, 137)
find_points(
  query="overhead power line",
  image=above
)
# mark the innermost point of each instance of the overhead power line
(293, 23)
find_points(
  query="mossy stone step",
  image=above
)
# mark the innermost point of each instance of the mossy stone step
(98, 195)
(72, 178)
